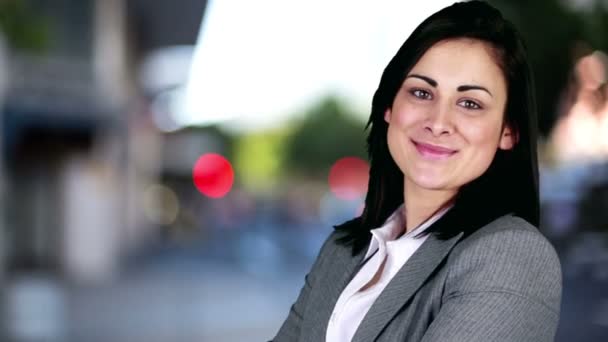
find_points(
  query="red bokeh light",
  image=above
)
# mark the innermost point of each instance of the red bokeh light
(348, 178)
(213, 175)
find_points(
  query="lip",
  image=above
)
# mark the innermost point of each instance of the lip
(433, 152)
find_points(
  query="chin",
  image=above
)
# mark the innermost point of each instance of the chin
(430, 182)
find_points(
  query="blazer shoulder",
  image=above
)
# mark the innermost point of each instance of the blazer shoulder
(511, 255)
(513, 232)
(503, 283)
(507, 222)
(508, 255)
(330, 250)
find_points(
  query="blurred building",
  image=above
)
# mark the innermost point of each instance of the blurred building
(79, 147)
(78, 144)
(75, 128)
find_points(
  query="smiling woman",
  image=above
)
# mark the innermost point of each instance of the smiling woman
(447, 247)
(445, 123)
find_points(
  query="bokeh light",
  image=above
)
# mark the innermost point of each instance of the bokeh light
(348, 178)
(213, 175)
(161, 204)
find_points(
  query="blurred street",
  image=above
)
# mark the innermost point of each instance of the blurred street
(170, 169)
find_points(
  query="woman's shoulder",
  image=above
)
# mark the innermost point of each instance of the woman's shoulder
(332, 249)
(508, 222)
(507, 255)
(509, 232)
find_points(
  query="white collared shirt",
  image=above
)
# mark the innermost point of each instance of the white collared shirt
(391, 253)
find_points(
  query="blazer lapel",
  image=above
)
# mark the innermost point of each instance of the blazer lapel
(342, 270)
(403, 286)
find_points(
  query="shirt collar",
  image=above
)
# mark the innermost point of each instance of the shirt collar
(394, 225)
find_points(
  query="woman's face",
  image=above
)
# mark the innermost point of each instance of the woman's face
(446, 121)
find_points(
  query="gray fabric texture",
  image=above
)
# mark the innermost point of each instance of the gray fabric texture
(501, 283)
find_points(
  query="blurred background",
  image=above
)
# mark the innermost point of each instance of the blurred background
(169, 169)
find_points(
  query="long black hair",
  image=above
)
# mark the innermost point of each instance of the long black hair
(510, 185)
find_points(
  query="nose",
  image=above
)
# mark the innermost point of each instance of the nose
(439, 122)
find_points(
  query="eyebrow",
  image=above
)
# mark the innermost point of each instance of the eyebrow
(428, 80)
(473, 87)
(465, 87)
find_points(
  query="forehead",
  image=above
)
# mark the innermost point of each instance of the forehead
(462, 61)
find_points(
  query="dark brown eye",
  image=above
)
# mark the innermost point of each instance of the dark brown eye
(421, 94)
(468, 104)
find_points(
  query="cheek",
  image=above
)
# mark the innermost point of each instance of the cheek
(483, 138)
(404, 119)
(393, 141)
(408, 116)
(481, 133)
(397, 143)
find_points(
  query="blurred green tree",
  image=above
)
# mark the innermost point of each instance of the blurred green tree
(22, 27)
(327, 132)
(258, 159)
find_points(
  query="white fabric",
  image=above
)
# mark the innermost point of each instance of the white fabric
(391, 255)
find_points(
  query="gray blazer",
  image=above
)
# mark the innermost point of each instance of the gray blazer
(501, 283)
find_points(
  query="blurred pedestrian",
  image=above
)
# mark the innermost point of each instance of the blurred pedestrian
(581, 135)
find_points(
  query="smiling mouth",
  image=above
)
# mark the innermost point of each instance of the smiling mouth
(433, 152)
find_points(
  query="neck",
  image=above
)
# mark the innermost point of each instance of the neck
(422, 204)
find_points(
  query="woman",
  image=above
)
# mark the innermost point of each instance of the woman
(446, 248)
